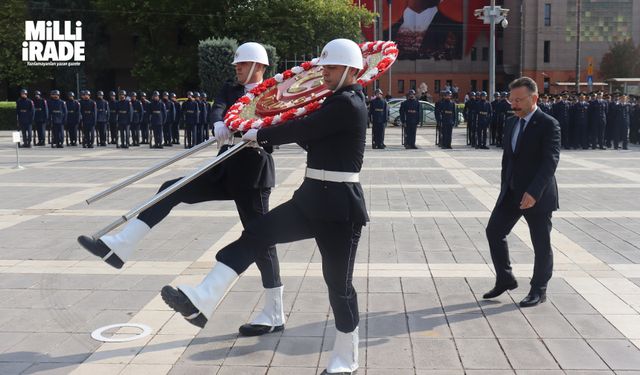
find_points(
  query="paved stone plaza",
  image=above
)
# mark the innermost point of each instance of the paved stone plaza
(422, 266)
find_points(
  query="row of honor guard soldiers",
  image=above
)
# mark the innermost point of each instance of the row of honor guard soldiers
(587, 121)
(595, 120)
(485, 120)
(124, 120)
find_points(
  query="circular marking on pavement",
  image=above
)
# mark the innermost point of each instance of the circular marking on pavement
(97, 334)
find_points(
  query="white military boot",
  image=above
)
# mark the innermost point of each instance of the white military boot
(197, 304)
(344, 357)
(271, 318)
(116, 249)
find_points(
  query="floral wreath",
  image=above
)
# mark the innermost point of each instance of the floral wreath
(378, 55)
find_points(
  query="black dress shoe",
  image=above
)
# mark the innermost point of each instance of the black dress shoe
(339, 373)
(100, 249)
(258, 329)
(179, 302)
(535, 297)
(499, 289)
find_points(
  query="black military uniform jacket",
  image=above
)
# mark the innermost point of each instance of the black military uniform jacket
(251, 168)
(334, 137)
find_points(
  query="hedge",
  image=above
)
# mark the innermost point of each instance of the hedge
(214, 62)
(7, 115)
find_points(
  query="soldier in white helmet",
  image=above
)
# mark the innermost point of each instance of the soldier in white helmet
(246, 178)
(329, 205)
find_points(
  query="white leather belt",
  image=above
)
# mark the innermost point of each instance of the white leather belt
(322, 175)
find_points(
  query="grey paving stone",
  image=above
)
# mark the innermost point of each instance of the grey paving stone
(390, 353)
(528, 354)
(305, 325)
(572, 304)
(481, 354)
(387, 324)
(435, 354)
(292, 370)
(552, 326)
(574, 354)
(183, 369)
(437, 372)
(428, 325)
(13, 368)
(298, 351)
(594, 326)
(242, 370)
(50, 368)
(511, 325)
(256, 351)
(618, 354)
(469, 326)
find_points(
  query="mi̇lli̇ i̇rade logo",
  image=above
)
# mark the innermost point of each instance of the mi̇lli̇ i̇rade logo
(52, 43)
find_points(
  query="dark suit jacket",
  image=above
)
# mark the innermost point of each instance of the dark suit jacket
(532, 167)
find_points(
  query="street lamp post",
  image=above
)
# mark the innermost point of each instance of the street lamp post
(491, 15)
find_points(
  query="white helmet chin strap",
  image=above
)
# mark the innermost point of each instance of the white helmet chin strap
(253, 68)
(344, 76)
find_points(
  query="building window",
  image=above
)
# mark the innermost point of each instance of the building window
(401, 86)
(547, 14)
(547, 51)
(485, 53)
(412, 84)
(499, 56)
(474, 85)
(436, 86)
(485, 85)
(547, 85)
(474, 54)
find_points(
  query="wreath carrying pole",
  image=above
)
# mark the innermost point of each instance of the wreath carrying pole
(171, 189)
(243, 115)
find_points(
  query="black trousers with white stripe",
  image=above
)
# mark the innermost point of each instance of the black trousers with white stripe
(337, 241)
(251, 204)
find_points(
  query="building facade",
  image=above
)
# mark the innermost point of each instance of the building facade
(540, 42)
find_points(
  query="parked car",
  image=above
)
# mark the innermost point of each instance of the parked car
(428, 112)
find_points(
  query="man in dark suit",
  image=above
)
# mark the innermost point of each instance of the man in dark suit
(528, 188)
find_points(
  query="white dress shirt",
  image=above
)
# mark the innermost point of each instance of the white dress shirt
(514, 136)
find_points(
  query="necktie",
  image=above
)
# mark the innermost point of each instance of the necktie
(520, 131)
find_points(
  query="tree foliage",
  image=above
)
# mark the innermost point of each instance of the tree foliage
(621, 61)
(297, 26)
(166, 34)
(14, 71)
(214, 58)
(214, 62)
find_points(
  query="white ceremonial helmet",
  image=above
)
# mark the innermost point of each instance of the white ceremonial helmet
(251, 52)
(342, 52)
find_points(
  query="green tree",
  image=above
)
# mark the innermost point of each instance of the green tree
(296, 27)
(14, 71)
(621, 61)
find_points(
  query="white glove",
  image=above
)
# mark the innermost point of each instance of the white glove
(251, 135)
(221, 132)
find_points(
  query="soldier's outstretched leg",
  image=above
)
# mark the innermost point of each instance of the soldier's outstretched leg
(337, 242)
